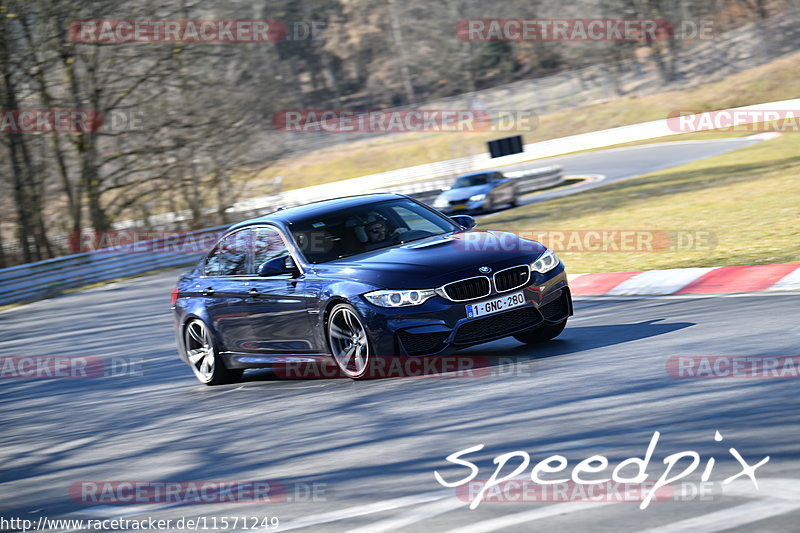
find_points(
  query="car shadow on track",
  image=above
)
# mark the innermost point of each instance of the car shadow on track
(478, 360)
(582, 338)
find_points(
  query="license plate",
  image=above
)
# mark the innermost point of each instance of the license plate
(495, 305)
(458, 207)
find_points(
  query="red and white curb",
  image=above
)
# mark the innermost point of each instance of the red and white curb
(711, 280)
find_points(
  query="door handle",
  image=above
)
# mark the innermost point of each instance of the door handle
(208, 291)
(253, 292)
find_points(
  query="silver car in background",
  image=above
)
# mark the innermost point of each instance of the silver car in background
(475, 192)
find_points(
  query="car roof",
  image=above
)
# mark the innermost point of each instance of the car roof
(315, 209)
(478, 173)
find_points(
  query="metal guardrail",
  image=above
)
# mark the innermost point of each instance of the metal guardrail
(44, 279)
(526, 181)
(537, 178)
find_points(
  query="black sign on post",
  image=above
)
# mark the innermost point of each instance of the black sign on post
(505, 146)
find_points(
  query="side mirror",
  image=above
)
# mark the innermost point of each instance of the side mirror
(465, 221)
(277, 266)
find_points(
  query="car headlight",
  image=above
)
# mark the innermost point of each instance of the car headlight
(399, 298)
(547, 262)
(440, 202)
(477, 198)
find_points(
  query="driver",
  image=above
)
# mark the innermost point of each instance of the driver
(377, 229)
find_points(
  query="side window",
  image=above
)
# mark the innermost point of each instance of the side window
(268, 245)
(230, 257)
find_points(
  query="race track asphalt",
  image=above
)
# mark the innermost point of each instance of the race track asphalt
(622, 163)
(601, 388)
(355, 455)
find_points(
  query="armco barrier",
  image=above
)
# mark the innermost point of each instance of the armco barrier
(526, 181)
(425, 191)
(536, 179)
(43, 279)
(564, 145)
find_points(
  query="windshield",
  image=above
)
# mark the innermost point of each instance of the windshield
(472, 180)
(364, 229)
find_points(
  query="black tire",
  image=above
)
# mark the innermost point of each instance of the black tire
(203, 356)
(514, 202)
(543, 333)
(345, 330)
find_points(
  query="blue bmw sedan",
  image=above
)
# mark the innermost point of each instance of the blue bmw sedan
(355, 279)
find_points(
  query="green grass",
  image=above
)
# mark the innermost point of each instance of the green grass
(749, 200)
(775, 81)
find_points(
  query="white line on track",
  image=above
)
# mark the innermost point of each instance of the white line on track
(113, 511)
(501, 522)
(361, 510)
(776, 496)
(728, 518)
(416, 515)
(106, 511)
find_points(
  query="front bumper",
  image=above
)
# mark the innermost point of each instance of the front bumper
(439, 326)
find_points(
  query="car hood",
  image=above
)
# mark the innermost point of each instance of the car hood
(432, 262)
(463, 193)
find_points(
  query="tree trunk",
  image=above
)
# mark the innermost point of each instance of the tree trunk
(397, 36)
(10, 104)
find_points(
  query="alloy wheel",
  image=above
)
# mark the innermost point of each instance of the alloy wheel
(200, 350)
(348, 340)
